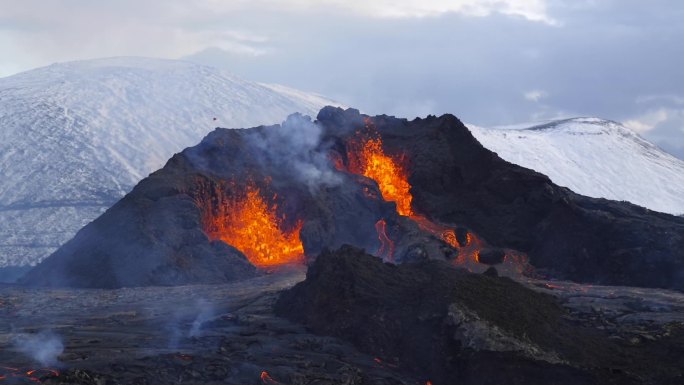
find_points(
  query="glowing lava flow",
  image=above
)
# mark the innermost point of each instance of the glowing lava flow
(468, 249)
(246, 222)
(266, 379)
(367, 157)
(15, 375)
(467, 253)
(386, 251)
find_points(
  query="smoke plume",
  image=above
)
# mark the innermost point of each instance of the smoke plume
(296, 143)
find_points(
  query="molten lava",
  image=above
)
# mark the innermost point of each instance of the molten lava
(16, 375)
(466, 253)
(367, 157)
(468, 250)
(266, 379)
(386, 250)
(449, 236)
(247, 222)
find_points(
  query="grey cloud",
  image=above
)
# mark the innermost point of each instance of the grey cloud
(668, 134)
(603, 58)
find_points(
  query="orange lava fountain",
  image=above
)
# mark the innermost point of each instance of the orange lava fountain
(248, 223)
(367, 157)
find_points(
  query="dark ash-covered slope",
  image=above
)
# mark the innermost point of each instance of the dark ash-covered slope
(155, 236)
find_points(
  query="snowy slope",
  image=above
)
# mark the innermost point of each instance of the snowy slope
(594, 157)
(75, 137)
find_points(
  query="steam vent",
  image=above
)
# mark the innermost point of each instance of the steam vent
(245, 202)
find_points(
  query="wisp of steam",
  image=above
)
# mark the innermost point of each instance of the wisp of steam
(295, 143)
(43, 347)
(206, 312)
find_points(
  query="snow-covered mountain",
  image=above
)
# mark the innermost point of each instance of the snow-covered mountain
(594, 157)
(75, 137)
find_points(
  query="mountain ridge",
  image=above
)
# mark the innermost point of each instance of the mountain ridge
(611, 161)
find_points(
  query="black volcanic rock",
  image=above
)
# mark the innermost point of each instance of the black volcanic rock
(154, 236)
(461, 235)
(491, 256)
(450, 326)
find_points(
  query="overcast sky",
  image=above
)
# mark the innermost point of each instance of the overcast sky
(490, 62)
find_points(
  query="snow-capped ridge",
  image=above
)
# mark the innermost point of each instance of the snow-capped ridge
(595, 157)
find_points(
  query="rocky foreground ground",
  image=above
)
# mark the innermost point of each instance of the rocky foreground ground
(214, 334)
(354, 320)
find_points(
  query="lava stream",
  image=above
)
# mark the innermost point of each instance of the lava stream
(18, 376)
(386, 250)
(267, 379)
(468, 250)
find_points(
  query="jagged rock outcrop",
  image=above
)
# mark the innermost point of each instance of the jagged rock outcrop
(450, 326)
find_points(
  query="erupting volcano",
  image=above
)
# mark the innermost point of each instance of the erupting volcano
(368, 158)
(410, 190)
(247, 222)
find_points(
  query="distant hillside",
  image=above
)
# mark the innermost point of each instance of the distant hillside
(594, 157)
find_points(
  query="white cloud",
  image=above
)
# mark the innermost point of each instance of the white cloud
(648, 121)
(534, 10)
(535, 95)
(37, 32)
(660, 98)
